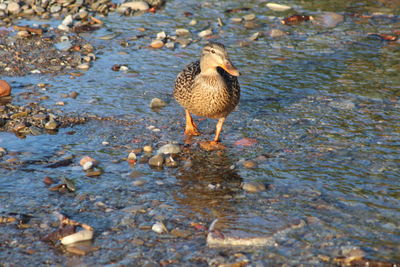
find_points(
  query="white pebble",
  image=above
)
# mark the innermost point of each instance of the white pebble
(205, 33)
(277, 7)
(87, 165)
(159, 228)
(132, 156)
(77, 237)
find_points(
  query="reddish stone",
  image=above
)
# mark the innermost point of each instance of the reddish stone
(5, 88)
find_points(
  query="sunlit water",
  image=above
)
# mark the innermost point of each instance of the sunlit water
(322, 103)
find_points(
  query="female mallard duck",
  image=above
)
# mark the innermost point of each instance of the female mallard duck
(208, 88)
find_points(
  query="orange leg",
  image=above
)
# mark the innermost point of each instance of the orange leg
(191, 128)
(219, 129)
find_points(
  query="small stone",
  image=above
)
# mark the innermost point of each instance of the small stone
(139, 182)
(193, 22)
(156, 161)
(3, 151)
(84, 160)
(249, 164)
(157, 44)
(83, 66)
(249, 17)
(161, 35)
(13, 8)
(159, 228)
(62, 27)
(169, 149)
(63, 46)
(236, 20)
(136, 5)
(254, 36)
(123, 68)
(94, 173)
(132, 156)
(23, 34)
(73, 94)
(77, 237)
(147, 149)
(170, 45)
(67, 21)
(275, 33)
(157, 103)
(180, 233)
(55, 9)
(60, 103)
(253, 187)
(51, 125)
(182, 32)
(278, 7)
(205, 33)
(327, 19)
(88, 165)
(5, 88)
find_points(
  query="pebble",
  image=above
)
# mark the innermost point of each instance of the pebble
(275, 33)
(157, 44)
(88, 165)
(161, 35)
(83, 66)
(182, 32)
(249, 164)
(236, 20)
(157, 103)
(278, 7)
(139, 182)
(327, 19)
(254, 36)
(63, 46)
(51, 125)
(156, 161)
(77, 237)
(132, 156)
(23, 34)
(68, 21)
(147, 149)
(3, 151)
(169, 149)
(170, 45)
(253, 187)
(193, 22)
(205, 33)
(159, 228)
(73, 94)
(84, 160)
(249, 17)
(180, 233)
(5, 88)
(135, 5)
(13, 8)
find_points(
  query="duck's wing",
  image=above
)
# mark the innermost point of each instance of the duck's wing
(185, 80)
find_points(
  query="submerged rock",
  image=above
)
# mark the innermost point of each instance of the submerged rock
(169, 149)
(5, 88)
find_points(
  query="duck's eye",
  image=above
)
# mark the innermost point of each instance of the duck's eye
(213, 51)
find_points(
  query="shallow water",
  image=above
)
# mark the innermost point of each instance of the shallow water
(322, 103)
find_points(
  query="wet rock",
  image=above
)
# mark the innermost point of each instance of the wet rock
(67, 21)
(147, 149)
(205, 33)
(139, 182)
(13, 8)
(344, 104)
(253, 187)
(276, 33)
(180, 233)
(83, 66)
(135, 5)
(159, 228)
(169, 149)
(182, 32)
(236, 20)
(156, 161)
(254, 36)
(278, 7)
(23, 34)
(63, 46)
(51, 125)
(327, 19)
(3, 151)
(249, 17)
(77, 237)
(73, 94)
(157, 103)
(157, 44)
(5, 88)
(161, 35)
(249, 164)
(170, 162)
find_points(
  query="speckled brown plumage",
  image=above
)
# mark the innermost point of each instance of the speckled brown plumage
(205, 88)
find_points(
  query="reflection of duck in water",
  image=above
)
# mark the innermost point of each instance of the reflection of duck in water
(207, 187)
(208, 88)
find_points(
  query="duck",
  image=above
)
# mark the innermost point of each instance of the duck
(208, 88)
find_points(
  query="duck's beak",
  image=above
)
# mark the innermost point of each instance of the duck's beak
(229, 68)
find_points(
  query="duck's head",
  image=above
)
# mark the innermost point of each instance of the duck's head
(214, 55)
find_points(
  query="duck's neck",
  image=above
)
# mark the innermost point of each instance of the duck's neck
(208, 71)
